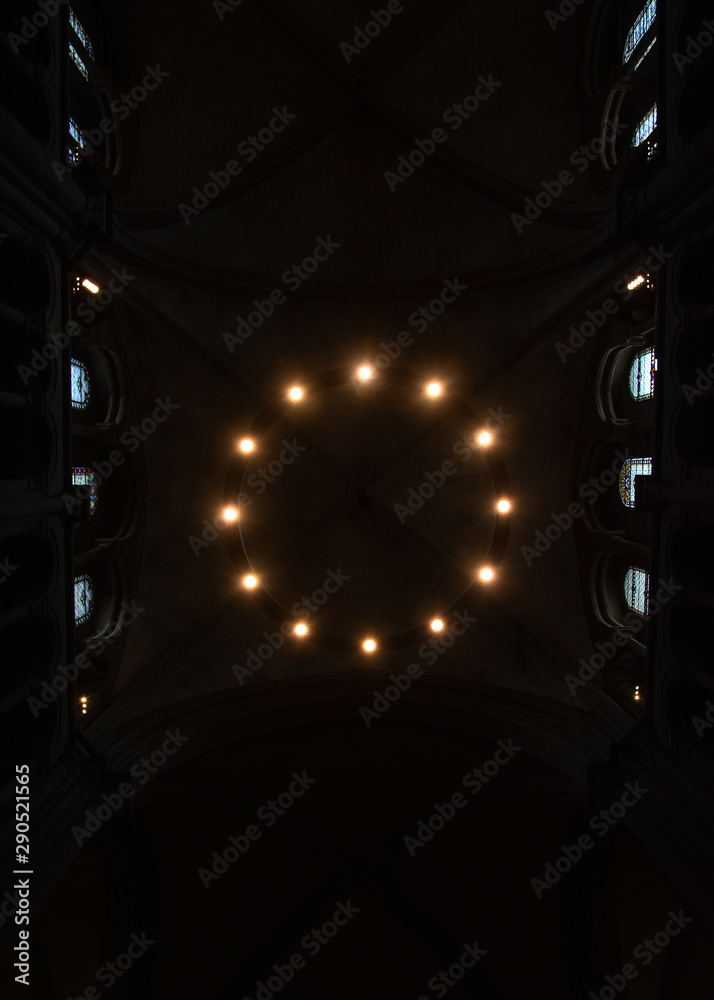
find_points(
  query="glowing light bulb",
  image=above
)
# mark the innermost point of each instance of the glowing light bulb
(369, 645)
(503, 506)
(230, 514)
(90, 286)
(437, 625)
(296, 392)
(247, 445)
(636, 282)
(433, 389)
(301, 629)
(637, 692)
(484, 439)
(250, 582)
(486, 574)
(365, 372)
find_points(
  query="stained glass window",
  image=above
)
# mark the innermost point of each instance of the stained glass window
(639, 29)
(81, 33)
(85, 477)
(637, 590)
(80, 385)
(632, 467)
(78, 61)
(642, 374)
(646, 127)
(83, 599)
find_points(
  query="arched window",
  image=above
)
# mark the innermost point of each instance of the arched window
(637, 589)
(642, 374)
(77, 143)
(80, 385)
(83, 599)
(639, 29)
(88, 479)
(632, 467)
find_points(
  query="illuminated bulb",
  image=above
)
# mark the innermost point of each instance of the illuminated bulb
(369, 645)
(230, 514)
(484, 438)
(637, 692)
(296, 392)
(636, 282)
(246, 445)
(437, 625)
(90, 286)
(250, 582)
(504, 506)
(301, 629)
(434, 389)
(83, 703)
(365, 372)
(486, 574)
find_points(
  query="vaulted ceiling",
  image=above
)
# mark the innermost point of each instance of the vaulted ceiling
(395, 246)
(365, 509)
